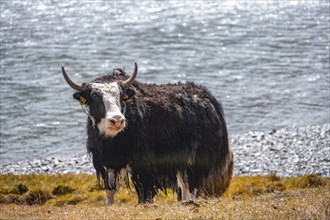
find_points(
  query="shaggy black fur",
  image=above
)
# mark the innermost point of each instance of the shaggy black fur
(170, 127)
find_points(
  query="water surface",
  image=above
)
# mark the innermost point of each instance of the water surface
(266, 61)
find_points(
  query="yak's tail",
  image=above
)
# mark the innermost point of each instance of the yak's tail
(219, 177)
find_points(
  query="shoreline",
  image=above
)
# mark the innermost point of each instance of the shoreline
(286, 152)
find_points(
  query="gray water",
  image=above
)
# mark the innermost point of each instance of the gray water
(266, 61)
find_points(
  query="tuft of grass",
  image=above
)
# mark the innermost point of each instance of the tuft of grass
(69, 200)
(62, 190)
(250, 186)
(47, 182)
(18, 189)
(307, 181)
(39, 189)
(22, 188)
(10, 199)
(37, 197)
(273, 177)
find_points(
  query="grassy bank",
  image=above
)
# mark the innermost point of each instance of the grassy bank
(72, 196)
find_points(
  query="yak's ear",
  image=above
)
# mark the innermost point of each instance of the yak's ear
(80, 98)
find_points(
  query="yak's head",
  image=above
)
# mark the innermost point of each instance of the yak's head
(106, 101)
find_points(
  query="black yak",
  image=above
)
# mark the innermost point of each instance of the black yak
(170, 135)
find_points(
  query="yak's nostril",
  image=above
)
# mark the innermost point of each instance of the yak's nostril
(112, 122)
(116, 121)
(121, 121)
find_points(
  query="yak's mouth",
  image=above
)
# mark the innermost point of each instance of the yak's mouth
(113, 131)
(114, 128)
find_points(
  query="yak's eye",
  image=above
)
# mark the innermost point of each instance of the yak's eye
(95, 97)
(129, 92)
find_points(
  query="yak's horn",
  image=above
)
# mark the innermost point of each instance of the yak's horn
(69, 81)
(131, 79)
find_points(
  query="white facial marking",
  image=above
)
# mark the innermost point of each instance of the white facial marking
(114, 120)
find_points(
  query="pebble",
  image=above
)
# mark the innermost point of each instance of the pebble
(286, 152)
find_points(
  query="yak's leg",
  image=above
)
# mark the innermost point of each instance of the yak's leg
(150, 193)
(140, 192)
(110, 185)
(144, 188)
(109, 197)
(138, 188)
(183, 184)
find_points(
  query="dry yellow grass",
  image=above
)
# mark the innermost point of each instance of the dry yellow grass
(249, 197)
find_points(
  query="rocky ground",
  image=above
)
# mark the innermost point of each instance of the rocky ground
(286, 152)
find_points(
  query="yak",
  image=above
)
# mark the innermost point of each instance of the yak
(163, 135)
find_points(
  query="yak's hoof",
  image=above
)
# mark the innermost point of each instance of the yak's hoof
(109, 202)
